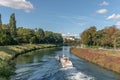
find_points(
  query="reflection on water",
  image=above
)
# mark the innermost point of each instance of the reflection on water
(42, 65)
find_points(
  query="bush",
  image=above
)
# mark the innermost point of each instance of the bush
(5, 70)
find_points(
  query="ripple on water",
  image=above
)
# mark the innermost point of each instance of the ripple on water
(48, 68)
(73, 74)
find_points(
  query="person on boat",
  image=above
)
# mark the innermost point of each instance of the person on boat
(67, 60)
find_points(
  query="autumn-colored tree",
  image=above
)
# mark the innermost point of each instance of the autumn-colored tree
(107, 36)
(87, 37)
(84, 38)
(116, 39)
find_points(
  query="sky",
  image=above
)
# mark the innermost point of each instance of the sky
(62, 16)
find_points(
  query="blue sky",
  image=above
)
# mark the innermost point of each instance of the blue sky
(63, 16)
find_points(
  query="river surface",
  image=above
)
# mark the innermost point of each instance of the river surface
(42, 65)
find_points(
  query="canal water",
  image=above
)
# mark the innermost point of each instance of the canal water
(42, 65)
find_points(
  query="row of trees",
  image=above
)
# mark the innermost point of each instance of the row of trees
(10, 34)
(107, 37)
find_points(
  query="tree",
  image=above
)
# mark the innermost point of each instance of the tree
(6, 29)
(0, 24)
(84, 38)
(107, 34)
(54, 38)
(116, 39)
(40, 34)
(105, 37)
(58, 39)
(0, 19)
(24, 35)
(97, 37)
(6, 40)
(87, 37)
(12, 24)
(34, 40)
(49, 37)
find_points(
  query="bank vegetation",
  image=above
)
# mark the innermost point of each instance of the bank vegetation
(108, 59)
(15, 40)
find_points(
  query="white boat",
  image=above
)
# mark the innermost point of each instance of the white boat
(65, 62)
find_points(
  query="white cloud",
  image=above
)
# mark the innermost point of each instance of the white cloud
(104, 3)
(118, 23)
(102, 11)
(113, 17)
(17, 4)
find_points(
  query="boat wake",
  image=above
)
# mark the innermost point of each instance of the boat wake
(70, 72)
(73, 74)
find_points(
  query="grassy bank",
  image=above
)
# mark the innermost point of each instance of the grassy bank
(109, 59)
(8, 53)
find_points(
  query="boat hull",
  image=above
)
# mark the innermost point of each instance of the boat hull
(65, 63)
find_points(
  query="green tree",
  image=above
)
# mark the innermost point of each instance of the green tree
(6, 40)
(54, 38)
(0, 24)
(87, 37)
(97, 37)
(58, 39)
(40, 34)
(34, 40)
(12, 23)
(49, 37)
(6, 29)
(92, 31)
(24, 35)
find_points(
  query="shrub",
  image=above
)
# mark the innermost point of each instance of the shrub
(5, 70)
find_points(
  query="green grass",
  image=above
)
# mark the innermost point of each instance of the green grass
(12, 50)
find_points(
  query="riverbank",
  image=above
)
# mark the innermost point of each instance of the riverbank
(109, 59)
(9, 53)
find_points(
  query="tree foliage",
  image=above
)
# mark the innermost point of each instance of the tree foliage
(24, 35)
(12, 24)
(54, 38)
(87, 37)
(10, 34)
(116, 39)
(0, 24)
(107, 37)
(40, 35)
